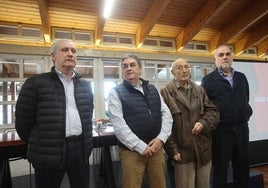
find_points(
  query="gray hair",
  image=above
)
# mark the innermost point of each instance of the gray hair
(223, 45)
(56, 43)
(133, 57)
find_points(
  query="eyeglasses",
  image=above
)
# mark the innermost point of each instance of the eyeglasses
(181, 68)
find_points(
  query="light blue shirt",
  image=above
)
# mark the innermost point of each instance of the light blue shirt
(73, 121)
(124, 133)
(229, 79)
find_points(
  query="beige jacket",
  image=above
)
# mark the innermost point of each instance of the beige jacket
(193, 148)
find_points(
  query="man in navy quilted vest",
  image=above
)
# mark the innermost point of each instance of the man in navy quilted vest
(142, 123)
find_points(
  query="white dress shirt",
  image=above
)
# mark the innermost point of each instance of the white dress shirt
(73, 121)
(124, 133)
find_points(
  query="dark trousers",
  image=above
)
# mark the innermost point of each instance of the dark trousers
(5, 176)
(76, 167)
(230, 144)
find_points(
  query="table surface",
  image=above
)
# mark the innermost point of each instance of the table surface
(11, 138)
(11, 146)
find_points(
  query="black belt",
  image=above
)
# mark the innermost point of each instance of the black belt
(73, 138)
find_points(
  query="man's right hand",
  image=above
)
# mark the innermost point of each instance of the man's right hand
(177, 157)
(149, 151)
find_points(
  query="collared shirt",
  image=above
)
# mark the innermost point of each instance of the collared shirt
(185, 91)
(126, 136)
(73, 122)
(229, 79)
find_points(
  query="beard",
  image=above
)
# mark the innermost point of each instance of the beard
(225, 67)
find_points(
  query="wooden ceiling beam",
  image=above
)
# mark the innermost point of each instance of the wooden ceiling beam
(155, 11)
(211, 8)
(43, 10)
(259, 34)
(263, 48)
(100, 24)
(242, 22)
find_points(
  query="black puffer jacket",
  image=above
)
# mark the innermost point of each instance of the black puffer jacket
(40, 118)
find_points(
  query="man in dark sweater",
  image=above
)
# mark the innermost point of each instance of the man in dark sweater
(228, 89)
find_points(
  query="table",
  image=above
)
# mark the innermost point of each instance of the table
(104, 138)
(11, 146)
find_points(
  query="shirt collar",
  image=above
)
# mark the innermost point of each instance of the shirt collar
(137, 86)
(60, 74)
(224, 75)
(189, 85)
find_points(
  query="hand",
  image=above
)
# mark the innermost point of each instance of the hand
(149, 151)
(177, 157)
(198, 127)
(153, 147)
(156, 143)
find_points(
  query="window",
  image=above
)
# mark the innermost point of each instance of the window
(85, 68)
(112, 76)
(157, 72)
(102, 73)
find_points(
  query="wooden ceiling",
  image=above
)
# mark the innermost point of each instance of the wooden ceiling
(243, 24)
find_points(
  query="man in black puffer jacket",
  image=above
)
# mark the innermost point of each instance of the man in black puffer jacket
(54, 117)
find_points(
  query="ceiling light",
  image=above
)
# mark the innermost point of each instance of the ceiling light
(108, 8)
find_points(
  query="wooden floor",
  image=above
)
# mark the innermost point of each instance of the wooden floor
(264, 170)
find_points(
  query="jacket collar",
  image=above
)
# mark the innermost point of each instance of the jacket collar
(75, 74)
(174, 93)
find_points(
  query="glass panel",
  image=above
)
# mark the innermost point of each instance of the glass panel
(108, 85)
(160, 85)
(162, 73)
(7, 114)
(149, 69)
(150, 42)
(31, 32)
(196, 73)
(82, 36)
(9, 69)
(125, 40)
(85, 68)
(9, 91)
(208, 69)
(166, 43)
(32, 67)
(111, 69)
(107, 38)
